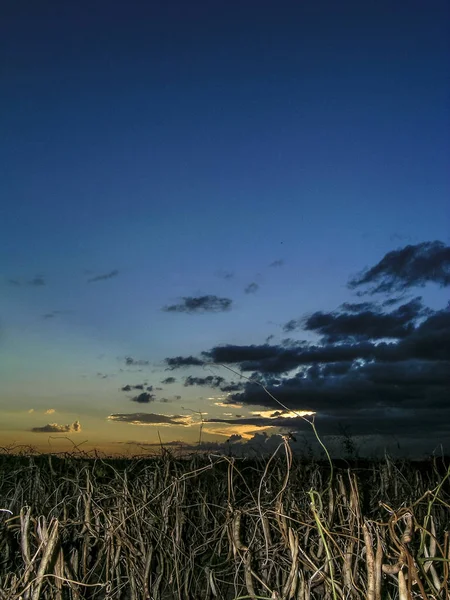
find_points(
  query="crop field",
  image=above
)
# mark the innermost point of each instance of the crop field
(74, 527)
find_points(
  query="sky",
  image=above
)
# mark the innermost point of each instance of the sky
(203, 198)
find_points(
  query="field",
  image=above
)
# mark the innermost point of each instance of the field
(76, 528)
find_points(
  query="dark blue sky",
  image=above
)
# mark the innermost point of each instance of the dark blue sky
(175, 142)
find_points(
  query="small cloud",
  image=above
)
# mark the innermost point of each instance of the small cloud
(104, 375)
(31, 411)
(178, 362)
(143, 398)
(165, 400)
(292, 325)
(55, 428)
(37, 282)
(136, 363)
(252, 288)
(277, 263)
(55, 313)
(49, 411)
(14, 282)
(104, 276)
(200, 304)
(168, 380)
(225, 274)
(210, 380)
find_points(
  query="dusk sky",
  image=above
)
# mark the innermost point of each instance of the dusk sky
(258, 184)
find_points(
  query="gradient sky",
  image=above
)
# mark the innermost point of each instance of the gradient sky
(156, 151)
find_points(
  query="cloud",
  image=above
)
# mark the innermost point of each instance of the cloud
(49, 411)
(400, 387)
(139, 386)
(200, 304)
(168, 380)
(55, 428)
(225, 274)
(104, 276)
(368, 324)
(143, 398)
(150, 419)
(129, 361)
(55, 313)
(178, 362)
(413, 265)
(252, 288)
(14, 282)
(37, 282)
(210, 381)
(277, 263)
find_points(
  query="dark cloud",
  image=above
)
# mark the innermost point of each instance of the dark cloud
(399, 387)
(148, 419)
(55, 428)
(136, 363)
(178, 362)
(168, 380)
(391, 301)
(366, 324)
(14, 282)
(139, 386)
(358, 306)
(232, 387)
(252, 288)
(413, 265)
(143, 398)
(213, 381)
(200, 304)
(104, 276)
(210, 381)
(292, 325)
(277, 263)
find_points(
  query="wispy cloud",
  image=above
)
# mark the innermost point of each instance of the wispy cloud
(200, 304)
(413, 265)
(151, 419)
(225, 274)
(104, 276)
(49, 411)
(277, 263)
(133, 362)
(37, 282)
(252, 288)
(168, 380)
(56, 313)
